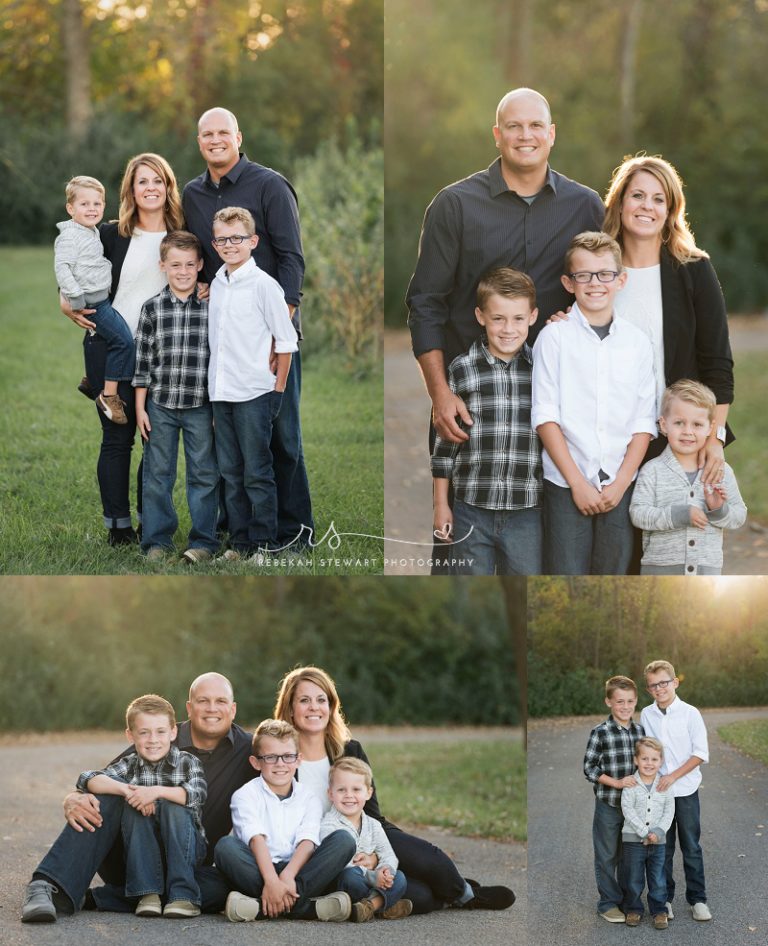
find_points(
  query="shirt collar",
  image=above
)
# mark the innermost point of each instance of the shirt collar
(174, 298)
(499, 186)
(232, 175)
(172, 760)
(584, 322)
(628, 728)
(482, 349)
(246, 271)
(262, 785)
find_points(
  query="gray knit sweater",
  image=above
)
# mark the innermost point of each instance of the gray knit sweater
(646, 811)
(83, 273)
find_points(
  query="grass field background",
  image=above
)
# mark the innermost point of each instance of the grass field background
(750, 736)
(748, 454)
(50, 512)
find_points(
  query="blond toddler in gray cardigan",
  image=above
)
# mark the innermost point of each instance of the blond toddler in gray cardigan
(683, 518)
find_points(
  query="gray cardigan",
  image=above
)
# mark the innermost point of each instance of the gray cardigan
(659, 507)
(83, 273)
(646, 811)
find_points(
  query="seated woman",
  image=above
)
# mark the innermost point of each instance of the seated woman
(308, 699)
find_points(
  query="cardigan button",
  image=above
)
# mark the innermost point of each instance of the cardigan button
(690, 568)
(691, 542)
(691, 494)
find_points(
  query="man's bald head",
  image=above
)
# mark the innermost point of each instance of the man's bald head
(522, 93)
(219, 114)
(211, 678)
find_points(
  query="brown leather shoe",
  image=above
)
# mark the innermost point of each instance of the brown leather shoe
(398, 911)
(633, 919)
(660, 921)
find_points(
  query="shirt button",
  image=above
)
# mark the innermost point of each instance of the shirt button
(691, 493)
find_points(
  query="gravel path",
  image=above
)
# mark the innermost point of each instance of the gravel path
(734, 816)
(408, 485)
(36, 773)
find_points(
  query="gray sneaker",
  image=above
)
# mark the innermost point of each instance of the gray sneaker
(38, 903)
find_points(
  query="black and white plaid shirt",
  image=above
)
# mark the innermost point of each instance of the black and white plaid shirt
(499, 467)
(177, 770)
(611, 751)
(172, 350)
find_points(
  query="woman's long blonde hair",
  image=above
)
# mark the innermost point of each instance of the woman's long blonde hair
(128, 217)
(337, 732)
(676, 234)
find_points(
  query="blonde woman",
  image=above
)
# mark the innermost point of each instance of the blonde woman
(150, 207)
(307, 698)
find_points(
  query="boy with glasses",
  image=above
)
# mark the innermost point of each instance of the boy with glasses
(247, 312)
(274, 858)
(594, 397)
(680, 728)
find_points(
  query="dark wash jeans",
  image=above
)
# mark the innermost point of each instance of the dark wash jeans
(640, 862)
(120, 359)
(686, 827)
(354, 882)
(606, 842)
(114, 465)
(236, 861)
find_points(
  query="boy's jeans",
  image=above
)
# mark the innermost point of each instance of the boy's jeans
(170, 836)
(243, 435)
(606, 841)
(502, 541)
(121, 350)
(641, 861)
(352, 879)
(236, 861)
(159, 519)
(575, 544)
(687, 826)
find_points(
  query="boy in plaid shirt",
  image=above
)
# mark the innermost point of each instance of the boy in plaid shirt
(164, 790)
(171, 382)
(609, 762)
(495, 474)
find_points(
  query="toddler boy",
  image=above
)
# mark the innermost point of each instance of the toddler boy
(164, 790)
(681, 518)
(593, 407)
(274, 858)
(495, 474)
(247, 312)
(609, 765)
(172, 396)
(680, 728)
(648, 814)
(375, 892)
(85, 278)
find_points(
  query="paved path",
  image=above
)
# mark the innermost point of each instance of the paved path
(408, 485)
(734, 815)
(35, 775)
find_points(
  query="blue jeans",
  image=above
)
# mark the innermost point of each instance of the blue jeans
(606, 842)
(114, 466)
(641, 861)
(243, 433)
(161, 852)
(160, 457)
(236, 861)
(575, 544)
(503, 541)
(686, 825)
(121, 350)
(352, 879)
(294, 506)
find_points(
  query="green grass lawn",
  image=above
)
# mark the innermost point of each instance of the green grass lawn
(50, 513)
(750, 736)
(748, 454)
(475, 788)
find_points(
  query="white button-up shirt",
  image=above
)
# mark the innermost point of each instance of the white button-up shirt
(284, 822)
(247, 309)
(600, 392)
(682, 732)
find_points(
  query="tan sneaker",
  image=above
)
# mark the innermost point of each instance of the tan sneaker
(149, 905)
(660, 921)
(112, 407)
(614, 915)
(398, 911)
(178, 909)
(362, 911)
(633, 919)
(196, 556)
(241, 909)
(334, 907)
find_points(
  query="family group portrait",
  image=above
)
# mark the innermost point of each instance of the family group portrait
(580, 321)
(197, 274)
(240, 783)
(647, 758)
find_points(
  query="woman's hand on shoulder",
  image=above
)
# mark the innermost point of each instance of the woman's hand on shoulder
(78, 316)
(558, 316)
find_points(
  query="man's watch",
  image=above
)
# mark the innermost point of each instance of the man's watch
(720, 434)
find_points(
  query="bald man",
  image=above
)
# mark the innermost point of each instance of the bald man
(231, 180)
(90, 841)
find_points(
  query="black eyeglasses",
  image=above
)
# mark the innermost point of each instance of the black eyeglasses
(234, 240)
(288, 757)
(661, 685)
(604, 275)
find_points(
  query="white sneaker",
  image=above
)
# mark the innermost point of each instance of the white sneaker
(149, 905)
(670, 914)
(701, 912)
(335, 906)
(241, 909)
